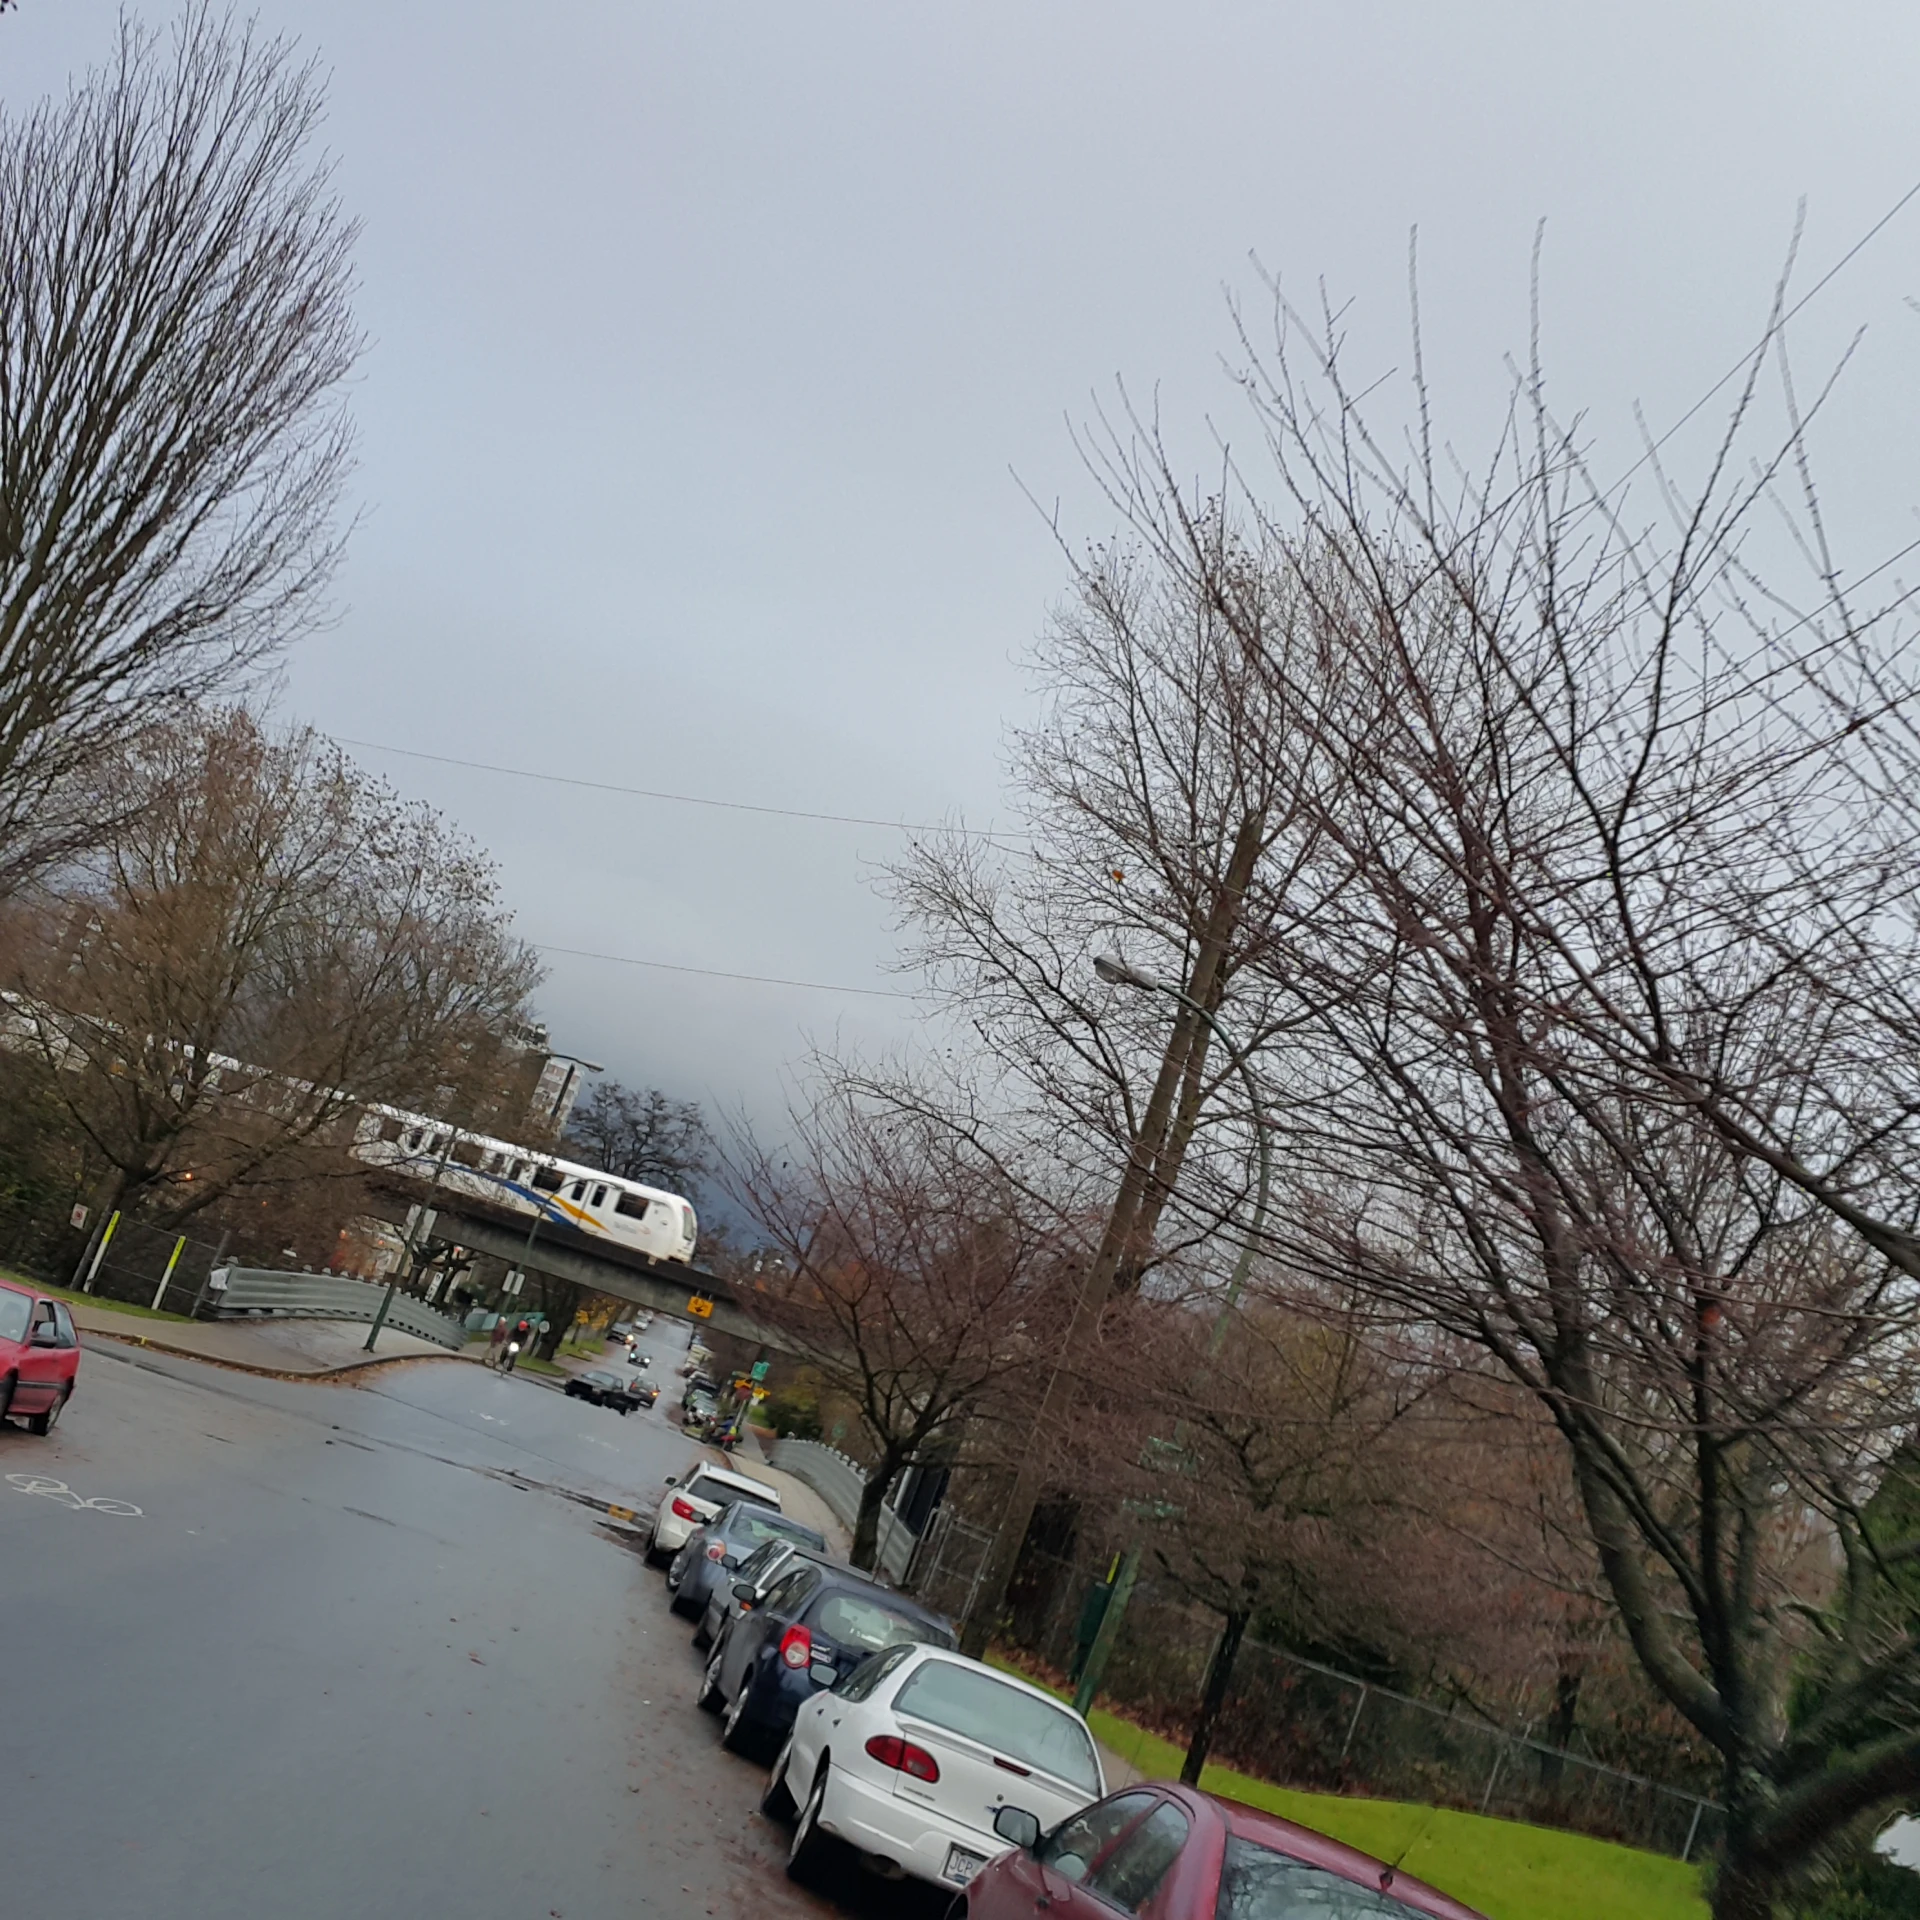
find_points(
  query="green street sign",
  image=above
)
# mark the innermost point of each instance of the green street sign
(759, 1370)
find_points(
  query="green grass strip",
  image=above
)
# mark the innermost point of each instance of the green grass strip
(1506, 1868)
(96, 1300)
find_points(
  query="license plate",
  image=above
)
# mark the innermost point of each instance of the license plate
(961, 1865)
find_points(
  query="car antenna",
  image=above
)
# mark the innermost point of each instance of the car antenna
(1393, 1866)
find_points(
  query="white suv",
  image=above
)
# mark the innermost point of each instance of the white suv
(706, 1491)
(913, 1755)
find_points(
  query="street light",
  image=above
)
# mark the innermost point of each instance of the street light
(1120, 973)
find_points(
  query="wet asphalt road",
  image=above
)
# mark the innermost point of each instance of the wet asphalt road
(363, 1651)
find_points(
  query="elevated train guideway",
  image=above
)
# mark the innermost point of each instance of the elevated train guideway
(564, 1252)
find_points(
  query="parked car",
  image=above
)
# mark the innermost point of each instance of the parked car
(698, 1412)
(751, 1581)
(712, 1553)
(705, 1492)
(603, 1390)
(39, 1357)
(914, 1754)
(814, 1626)
(700, 1384)
(1175, 1853)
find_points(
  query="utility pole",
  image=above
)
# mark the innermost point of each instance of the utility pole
(1117, 1245)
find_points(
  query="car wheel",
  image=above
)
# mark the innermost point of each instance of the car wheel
(777, 1803)
(44, 1423)
(702, 1639)
(811, 1848)
(652, 1555)
(687, 1610)
(709, 1699)
(738, 1734)
(6, 1395)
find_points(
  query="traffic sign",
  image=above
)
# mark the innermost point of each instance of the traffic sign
(700, 1307)
(760, 1369)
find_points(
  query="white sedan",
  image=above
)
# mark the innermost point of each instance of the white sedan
(913, 1754)
(692, 1504)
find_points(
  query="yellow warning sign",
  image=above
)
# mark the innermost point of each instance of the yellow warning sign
(700, 1307)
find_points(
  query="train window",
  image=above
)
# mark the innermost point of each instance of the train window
(467, 1152)
(391, 1129)
(411, 1140)
(633, 1205)
(599, 1197)
(548, 1179)
(579, 1190)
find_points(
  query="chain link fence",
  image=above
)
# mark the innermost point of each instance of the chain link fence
(1299, 1723)
(140, 1264)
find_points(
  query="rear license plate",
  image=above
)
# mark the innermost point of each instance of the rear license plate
(961, 1865)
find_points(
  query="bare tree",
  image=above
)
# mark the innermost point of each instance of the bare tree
(272, 943)
(1278, 1442)
(1154, 792)
(916, 1280)
(642, 1135)
(1602, 1059)
(175, 331)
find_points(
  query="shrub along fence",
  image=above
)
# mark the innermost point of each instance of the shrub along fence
(1303, 1724)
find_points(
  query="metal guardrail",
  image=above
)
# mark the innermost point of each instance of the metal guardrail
(839, 1481)
(327, 1296)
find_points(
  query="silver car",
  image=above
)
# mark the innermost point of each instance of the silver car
(759, 1570)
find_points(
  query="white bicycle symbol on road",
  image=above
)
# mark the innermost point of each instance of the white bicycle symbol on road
(59, 1490)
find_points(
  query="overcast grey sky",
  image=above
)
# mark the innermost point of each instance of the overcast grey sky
(707, 340)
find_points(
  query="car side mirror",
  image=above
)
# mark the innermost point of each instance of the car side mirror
(1017, 1827)
(672, 1480)
(45, 1336)
(743, 1592)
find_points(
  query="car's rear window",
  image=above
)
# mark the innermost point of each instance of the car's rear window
(1034, 1732)
(15, 1311)
(1256, 1883)
(720, 1494)
(855, 1620)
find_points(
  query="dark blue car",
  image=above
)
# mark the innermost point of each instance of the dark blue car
(814, 1626)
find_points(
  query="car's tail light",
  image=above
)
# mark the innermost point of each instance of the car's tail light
(716, 1550)
(682, 1509)
(796, 1648)
(891, 1751)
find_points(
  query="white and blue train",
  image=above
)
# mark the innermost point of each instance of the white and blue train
(529, 1181)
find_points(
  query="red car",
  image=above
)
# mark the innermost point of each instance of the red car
(1168, 1852)
(39, 1356)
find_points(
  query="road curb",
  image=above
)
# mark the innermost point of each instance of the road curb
(310, 1375)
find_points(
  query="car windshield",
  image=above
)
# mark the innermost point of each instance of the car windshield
(854, 1620)
(1008, 1719)
(15, 1311)
(1257, 1883)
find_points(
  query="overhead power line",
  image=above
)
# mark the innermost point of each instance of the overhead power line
(1746, 359)
(679, 799)
(718, 973)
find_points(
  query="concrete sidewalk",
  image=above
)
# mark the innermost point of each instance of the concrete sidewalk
(287, 1349)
